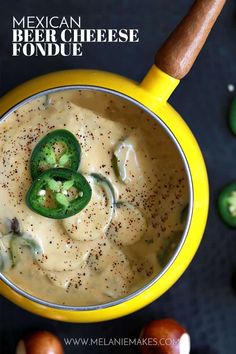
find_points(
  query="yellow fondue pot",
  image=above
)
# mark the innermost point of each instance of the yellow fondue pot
(172, 63)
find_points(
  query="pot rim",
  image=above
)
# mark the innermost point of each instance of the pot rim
(171, 135)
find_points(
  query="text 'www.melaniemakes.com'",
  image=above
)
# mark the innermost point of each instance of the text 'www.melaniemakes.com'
(52, 36)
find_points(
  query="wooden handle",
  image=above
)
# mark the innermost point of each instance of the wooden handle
(181, 49)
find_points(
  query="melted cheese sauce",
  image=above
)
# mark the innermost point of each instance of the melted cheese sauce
(95, 256)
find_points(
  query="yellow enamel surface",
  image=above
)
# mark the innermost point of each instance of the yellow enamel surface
(152, 93)
(159, 84)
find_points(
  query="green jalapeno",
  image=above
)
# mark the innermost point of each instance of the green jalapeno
(169, 247)
(59, 148)
(232, 116)
(227, 205)
(59, 193)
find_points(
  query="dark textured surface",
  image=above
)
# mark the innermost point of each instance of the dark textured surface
(202, 299)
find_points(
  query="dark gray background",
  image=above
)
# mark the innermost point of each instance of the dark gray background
(203, 299)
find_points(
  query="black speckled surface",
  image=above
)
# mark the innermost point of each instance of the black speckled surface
(202, 299)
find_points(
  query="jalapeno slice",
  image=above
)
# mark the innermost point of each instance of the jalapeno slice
(59, 148)
(227, 205)
(59, 193)
(232, 116)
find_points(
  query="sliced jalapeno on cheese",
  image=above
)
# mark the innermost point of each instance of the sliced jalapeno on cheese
(18, 242)
(184, 214)
(227, 205)
(59, 148)
(169, 247)
(59, 193)
(106, 184)
(94, 220)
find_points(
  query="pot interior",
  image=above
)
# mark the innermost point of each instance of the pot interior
(113, 249)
